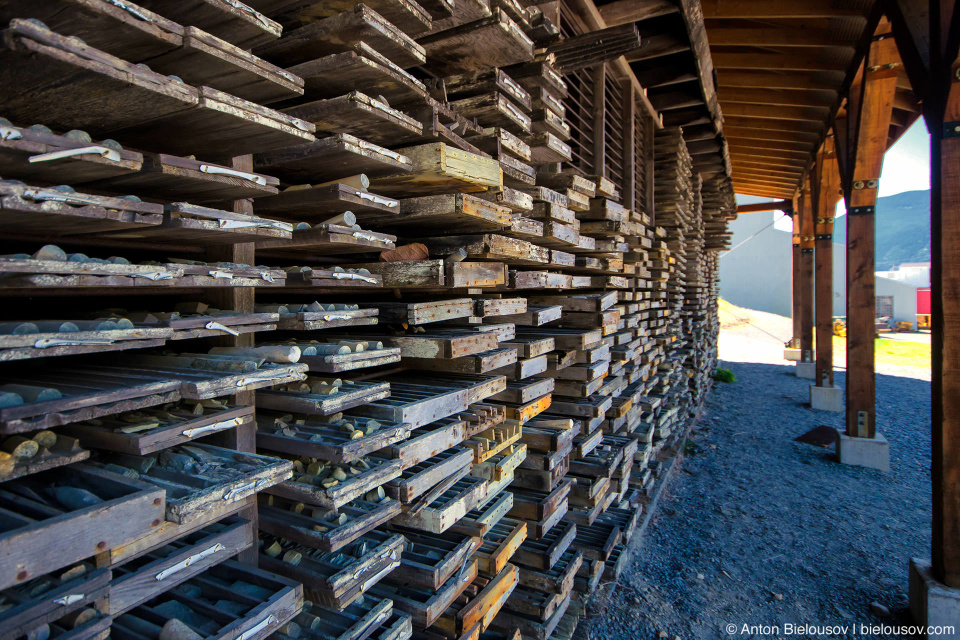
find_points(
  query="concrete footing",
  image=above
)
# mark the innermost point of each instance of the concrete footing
(791, 354)
(807, 370)
(873, 453)
(826, 398)
(932, 603)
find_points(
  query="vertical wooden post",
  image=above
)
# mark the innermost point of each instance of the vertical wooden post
(932, 59)
(649, 142)
(872, 130)
(628, 188)
(243, 437)
(599, 121)
(806, 274)
(795, 312)
(945, 281)
(827, 177)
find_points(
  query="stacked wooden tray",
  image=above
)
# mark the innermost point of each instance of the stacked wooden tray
(392, 328)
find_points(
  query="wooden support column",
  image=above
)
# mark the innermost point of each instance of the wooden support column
(628, 188)
(827, 194)
(243, 437)
(806, 274)
(875, 107)
(928, 37)
(945, 280)
(795, 313)
(649, 140)
(599, 121)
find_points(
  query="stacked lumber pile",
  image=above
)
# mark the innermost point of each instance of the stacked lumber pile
(129, 478)
(360, 352)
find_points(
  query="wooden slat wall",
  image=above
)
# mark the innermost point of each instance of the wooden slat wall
(613, 130)
(579, 103)
(642, 155)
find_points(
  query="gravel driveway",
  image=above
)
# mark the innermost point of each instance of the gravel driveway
(757, 529)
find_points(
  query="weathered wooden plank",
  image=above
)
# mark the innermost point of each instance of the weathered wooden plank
(339, 32)
(57, 534)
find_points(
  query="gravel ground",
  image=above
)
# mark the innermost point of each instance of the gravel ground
(757, 529)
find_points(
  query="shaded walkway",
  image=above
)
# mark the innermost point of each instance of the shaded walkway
(758, 529)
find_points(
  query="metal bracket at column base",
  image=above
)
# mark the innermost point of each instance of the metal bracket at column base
(807, 250)
(825, 236)
(862, 211)
(951, 129)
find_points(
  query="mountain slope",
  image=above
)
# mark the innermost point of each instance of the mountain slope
(903, 229)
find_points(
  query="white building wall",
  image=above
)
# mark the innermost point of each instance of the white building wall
(757, 274)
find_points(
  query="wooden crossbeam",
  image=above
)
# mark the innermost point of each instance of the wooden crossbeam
(776, 205)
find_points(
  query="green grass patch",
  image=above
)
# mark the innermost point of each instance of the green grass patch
(909, 354)
(724, 375)
(895, 352)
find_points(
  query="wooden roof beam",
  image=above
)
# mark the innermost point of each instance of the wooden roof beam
(765, 36)
(750, 133)
(805, 146)
(770, 160)
(786, 185)
(775, 112)
(787, 97)
(763, 190)
(779, 61)
(765, 171)
(757, 173)
(623, 11)
(780, 152)
(767, 124)
(764, 9)
(729, 79)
